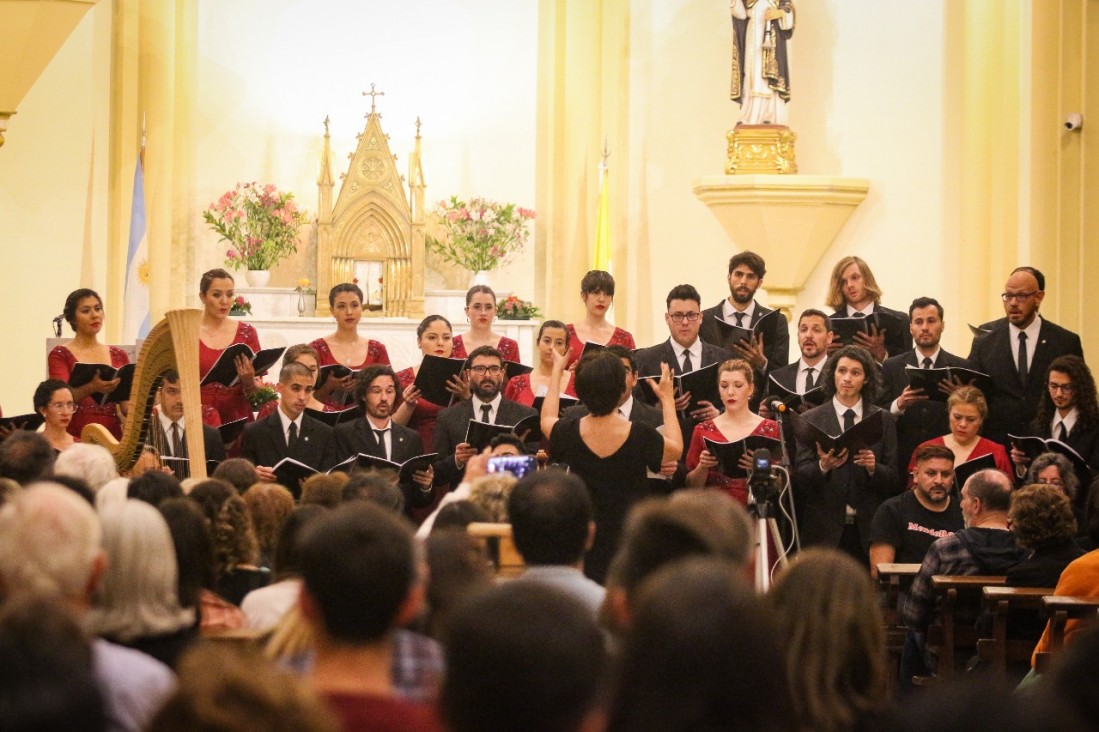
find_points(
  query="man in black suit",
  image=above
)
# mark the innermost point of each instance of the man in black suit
(918, 417)
(684, 352)
(854, 292)
(768, 351)
(814, 337)
(378, 435)
(287, 432)
(836, 493)
(171, 432)
(1016, 352)
(486, 404)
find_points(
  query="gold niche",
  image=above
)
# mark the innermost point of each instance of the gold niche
(761, 149)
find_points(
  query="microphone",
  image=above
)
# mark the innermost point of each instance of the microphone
(57, 325)
(775, 404)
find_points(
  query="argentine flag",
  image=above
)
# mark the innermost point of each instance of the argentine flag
(135, 321)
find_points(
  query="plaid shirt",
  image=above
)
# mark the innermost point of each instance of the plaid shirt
(947, 555)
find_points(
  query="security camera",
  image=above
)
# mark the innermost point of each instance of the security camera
(1074, 121)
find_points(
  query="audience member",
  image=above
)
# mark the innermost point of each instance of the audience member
(1016, 351)
(269, 505)
(111, 493)
(826, 612)
(25, 457)
(91, 463)
(323, 489)
(235, 548)
(458, 568)
(552, 526)
(49, 548)
(372, 486)
(1042, 521)
(522, 657)
(137, 604)
(263, 608)
(81, 488)
(153, 487)
(237, 472)
(701, 654)
(459, 515)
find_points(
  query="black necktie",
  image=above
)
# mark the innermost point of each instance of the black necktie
(688, 367)
(486, 413)
(739, 319)
(380, 434)
(926, 362)
(1022, 358)
(177, 442)
(809, 384)
(292, 435)
(848, 419)
(1062, 433)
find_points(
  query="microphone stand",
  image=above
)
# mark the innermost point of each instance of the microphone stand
(788, 463)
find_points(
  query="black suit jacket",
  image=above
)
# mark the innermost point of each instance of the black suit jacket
(358, 436)
(895, 343)
(776, 333)
(648, 364)
(211, 440)
(264, 443)
(1013, 404)
(821, 498)
(923, 420)
(450, 431)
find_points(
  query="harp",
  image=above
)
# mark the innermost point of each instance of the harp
(171, 344)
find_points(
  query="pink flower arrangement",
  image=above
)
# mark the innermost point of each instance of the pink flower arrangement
(480, 234)
(260, 223)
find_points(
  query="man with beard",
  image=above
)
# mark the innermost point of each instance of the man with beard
(814, 337)
(906, 526)
(1016, 352)
(919, 418)
(378, 435)
(486, 404)
(769, 348)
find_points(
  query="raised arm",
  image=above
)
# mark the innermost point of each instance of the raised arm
(673, 435)
(551, 406)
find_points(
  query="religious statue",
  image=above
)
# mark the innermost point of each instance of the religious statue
(760, 74)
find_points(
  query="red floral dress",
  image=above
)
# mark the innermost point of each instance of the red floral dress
(508, 348)
(618, 338)
(735, 487)
(375, 353)
(61, 361)
(229, 401)
(426, 413)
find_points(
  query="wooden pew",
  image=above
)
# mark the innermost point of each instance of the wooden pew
(510, 562)
(999, 649)
(1061, 609)
(945, 636)
(893, 579)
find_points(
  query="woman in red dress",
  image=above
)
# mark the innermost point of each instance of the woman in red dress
(552, 337)
(597, 292)
(216, 332)
(307, 356)
(84, 314)
(967, 409)
(480, 312)
(735, 384)
(346, 347)
(53, 399)
(435, 337)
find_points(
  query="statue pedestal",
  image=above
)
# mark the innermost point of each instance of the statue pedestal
(761, 149)
(790, 220)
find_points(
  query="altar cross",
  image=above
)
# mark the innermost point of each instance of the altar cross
(373, 94)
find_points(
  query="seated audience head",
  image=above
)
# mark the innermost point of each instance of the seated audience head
(286, 561)
(47, 673)
(194, 548)
(230, 525)
(985, 495)
(491, 493)
(92, 463)
(369, 485)
(1053, 468)
(25, 457)
(50, 546)
(852, 373)
(521, 657)
(1069, 384)
(110, 493)
(1041, 517)
(1023, 295)
(684, 315)
(459, 515)
(295, 389)
(458, 567)
(237, 472)
(700, 630)
(485, 371)
(138, 597)
(8, 489)
(325, 489)
(826, 611)
(269, 505)
(221, 688)
(153, 487)
(814, 334)
(600, 382)
(551, 518)
(80, 488)
(852, 283)
(506, 444)
(933, 478)
(372, 589)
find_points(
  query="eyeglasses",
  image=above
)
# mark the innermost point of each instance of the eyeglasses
(1066, 388)
(680, 317)
(1018, 296)
(481, 308)
(63, 406)
(490, 370)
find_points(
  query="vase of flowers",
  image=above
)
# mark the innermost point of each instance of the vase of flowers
(240, 306)
(260, 223)
(512, 308)
(481, 235)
